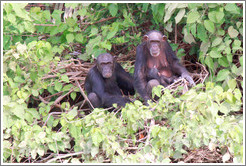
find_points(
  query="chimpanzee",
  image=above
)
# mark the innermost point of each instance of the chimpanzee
(106, 81)
(156, 64)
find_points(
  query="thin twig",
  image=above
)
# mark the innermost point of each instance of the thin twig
(102, 20)
(65, 156)
(176, 34)
(52, 113)
(152, 123)
(83, 93)
(46, 25)
(61, 97)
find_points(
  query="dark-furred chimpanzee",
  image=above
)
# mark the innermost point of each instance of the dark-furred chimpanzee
(156, 64)
(106, 81)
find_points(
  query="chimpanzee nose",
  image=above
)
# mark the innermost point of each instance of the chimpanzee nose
(155, 47)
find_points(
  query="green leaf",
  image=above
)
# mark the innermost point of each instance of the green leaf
(113, 9)
(145, 7)
(179, 16)
(82, 12)
(209, 25)
(65, 78)
(216, 16)
(33, 75)
(71, 114)
(188, 37)
(204, 47)
(70, 37)
(202, 33)
(215, 54)
(97, 137)
(73, 95)
(73, 130)
(94, 31)
(193, 29)
(94, 151)
(237, 94)
(222, 75)
(67, 87)
(232, 84)
(52, 147)
(29, 27)
(40, 151)
(58, 86)
(241, 60)
(232, 32)
(106, 44)
(71, 22)
(209, 62)
(57, 16)
(212, 16)
(216, 41)
(234, 69)
(34, 113)
(223, 61)
(21, 48)
(8, 7)
(11, 18)
(19, 79)
(232, 7)
(20, 11)
(35, 92)
(71, 5)
(219, 16)
(155, 131)
(19, 111)
(80, 38)
(221, 32)
(192, 17)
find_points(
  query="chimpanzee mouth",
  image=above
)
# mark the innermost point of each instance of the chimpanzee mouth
(155, 54)
(107, 75)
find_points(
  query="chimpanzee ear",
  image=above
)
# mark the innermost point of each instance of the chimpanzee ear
(145, 37)
(164, 37)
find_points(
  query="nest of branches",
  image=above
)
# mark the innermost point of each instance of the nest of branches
(196, 70)
(76, 70)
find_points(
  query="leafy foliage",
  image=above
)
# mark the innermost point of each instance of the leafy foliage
(36, 41)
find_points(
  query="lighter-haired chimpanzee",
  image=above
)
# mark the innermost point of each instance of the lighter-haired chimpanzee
(156, 64)
(106, 81)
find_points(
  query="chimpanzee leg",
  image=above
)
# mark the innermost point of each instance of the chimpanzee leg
(152, 83)
(95, 101)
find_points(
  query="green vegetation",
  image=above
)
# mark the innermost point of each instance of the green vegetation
(37, 43)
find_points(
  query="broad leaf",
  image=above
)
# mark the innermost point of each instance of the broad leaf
(192, 17)
(209, 25)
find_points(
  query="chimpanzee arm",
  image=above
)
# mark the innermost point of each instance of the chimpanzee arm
(124, 80)
(180, 70)
(140, 80)
(176, 67)
(98, 87)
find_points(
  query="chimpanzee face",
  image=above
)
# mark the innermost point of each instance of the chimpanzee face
(154, 48)
(154, 42)
(105, 65)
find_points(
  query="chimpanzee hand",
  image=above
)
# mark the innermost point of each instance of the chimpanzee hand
(189, 78)
(153, 73)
